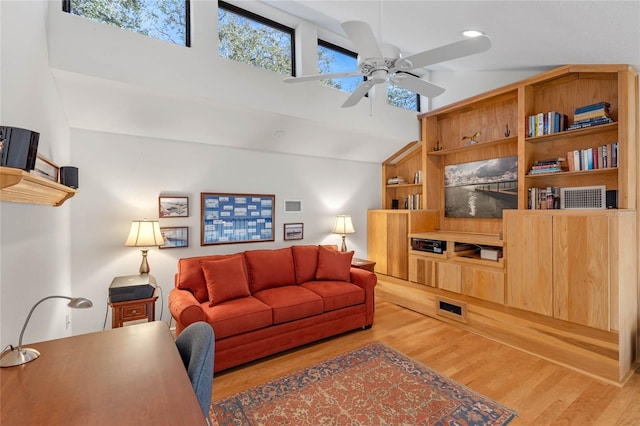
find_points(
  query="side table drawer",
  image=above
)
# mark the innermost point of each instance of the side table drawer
(134, 312)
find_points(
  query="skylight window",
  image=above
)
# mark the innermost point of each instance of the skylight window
(166, 20)
(334, 59)
(255, 40)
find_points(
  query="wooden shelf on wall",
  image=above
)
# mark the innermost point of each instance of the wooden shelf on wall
(19, 186)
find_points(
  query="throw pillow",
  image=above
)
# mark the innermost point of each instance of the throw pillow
(270, 268)
(226, 279)
(333, 265)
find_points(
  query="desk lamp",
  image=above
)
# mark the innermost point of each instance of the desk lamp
(343, 226)
(145, 234)
(20, 355)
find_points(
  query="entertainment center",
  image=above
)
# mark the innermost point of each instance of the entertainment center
(558, 283)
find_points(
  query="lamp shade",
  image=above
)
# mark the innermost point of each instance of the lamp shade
(343, 225)
(144, 233)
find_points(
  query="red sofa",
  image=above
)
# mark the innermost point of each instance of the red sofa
(260, 302)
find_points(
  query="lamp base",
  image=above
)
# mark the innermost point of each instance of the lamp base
(19, 357)
(344, 244)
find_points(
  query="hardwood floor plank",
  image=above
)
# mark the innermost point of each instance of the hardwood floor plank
(541, 392)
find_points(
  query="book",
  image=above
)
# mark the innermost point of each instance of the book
(591, 107)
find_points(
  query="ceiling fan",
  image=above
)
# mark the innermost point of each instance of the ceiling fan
(378, 68)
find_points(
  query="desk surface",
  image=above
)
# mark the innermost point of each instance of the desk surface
(128, 375)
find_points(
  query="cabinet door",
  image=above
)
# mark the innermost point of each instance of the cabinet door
(483, 283)
(450, 276)
(377, 240)
(529, 261)
(423, 270)
(397, 246)
(581, 270)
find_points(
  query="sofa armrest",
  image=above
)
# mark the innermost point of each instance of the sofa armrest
(366, 280)
(184, 308)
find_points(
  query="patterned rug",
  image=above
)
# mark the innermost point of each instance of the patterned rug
(373, 385)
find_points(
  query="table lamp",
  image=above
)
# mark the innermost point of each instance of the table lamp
(343, 226)
(20, 355)
(145, 234)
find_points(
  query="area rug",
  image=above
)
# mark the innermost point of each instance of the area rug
(373, 385)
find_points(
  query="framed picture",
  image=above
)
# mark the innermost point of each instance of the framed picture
(173, 207)
(46, 169)
(236, 218)
(174, 237)
(293, 231)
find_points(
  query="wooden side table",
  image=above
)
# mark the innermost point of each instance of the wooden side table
(133, 311)
(365, 264)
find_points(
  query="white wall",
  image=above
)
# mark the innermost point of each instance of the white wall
(34, 240)
(122, 176)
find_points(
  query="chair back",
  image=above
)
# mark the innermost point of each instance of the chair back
(196, 347)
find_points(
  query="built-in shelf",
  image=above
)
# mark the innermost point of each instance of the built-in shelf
(574, 133)
(479, 145)
(576, 172)
(19, 186)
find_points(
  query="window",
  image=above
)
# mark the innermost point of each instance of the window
(334, 59)
(403, 98)
(166, 20)
(255, 40)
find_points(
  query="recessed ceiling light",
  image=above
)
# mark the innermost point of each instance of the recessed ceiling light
(472, 33)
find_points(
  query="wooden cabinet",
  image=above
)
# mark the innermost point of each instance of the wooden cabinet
(388, 241)
(567, 287)
(529, 250)
(578, 270)
(19, 186)
(133, 311)
(460, 267)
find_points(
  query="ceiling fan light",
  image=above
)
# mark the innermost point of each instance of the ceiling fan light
(472, 33)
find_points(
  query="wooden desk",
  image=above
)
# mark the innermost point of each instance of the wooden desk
(122, 376)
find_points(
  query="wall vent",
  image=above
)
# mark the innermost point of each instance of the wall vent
(292, 206)
(451, 309)
(583, 197)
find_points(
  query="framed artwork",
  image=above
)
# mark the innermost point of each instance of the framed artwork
(293, 231)
(481, 188)
(236, 218)
(173, 207)
(174, 237)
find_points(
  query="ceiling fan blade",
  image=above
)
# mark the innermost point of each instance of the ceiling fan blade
(321, 77)
(363, 39)
(416, 85)
(451, 51)
(357, 94)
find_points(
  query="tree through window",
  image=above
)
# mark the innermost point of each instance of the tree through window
(255, 40)
(166, 20)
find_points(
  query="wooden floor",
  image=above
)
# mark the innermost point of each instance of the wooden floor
(541, 392)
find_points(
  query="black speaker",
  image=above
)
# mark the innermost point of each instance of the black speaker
(69, 176)
(612, 199)
(394, 204)
(18, 147)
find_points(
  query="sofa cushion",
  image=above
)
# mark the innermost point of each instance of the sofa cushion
(190, 276)
(333, 265)
(336, 294)
(290, 303)
(270, 268)
(226, 278)
(305, 260)
(238, 316)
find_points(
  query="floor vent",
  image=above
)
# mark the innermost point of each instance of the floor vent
(451, 309)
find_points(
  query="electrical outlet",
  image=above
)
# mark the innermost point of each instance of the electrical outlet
(67, 322)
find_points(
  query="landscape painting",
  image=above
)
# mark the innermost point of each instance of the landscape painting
(481, 189)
